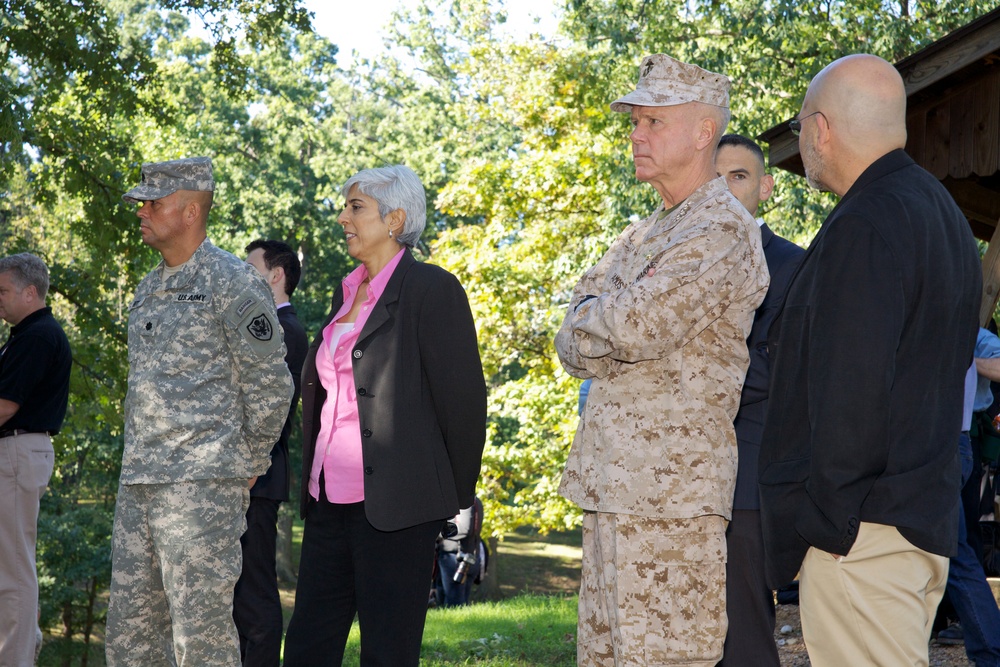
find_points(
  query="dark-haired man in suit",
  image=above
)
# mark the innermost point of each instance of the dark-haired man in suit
(256, 603)
(749, 600)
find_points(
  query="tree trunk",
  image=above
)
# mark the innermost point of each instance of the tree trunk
(88, 621)
(490, 588)
(67, 621)
(283, 555)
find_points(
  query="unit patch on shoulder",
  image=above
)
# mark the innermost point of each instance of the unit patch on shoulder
(260, 328)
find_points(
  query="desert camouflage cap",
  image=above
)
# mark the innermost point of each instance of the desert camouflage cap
(160, 179)
(665, 82)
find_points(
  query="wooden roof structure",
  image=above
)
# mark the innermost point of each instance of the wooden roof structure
(953, 130)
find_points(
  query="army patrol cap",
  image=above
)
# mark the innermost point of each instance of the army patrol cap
(666, 82)
(161, 179)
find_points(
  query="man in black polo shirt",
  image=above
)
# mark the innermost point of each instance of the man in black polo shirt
(34, 389)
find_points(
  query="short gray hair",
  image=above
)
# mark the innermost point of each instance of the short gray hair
(722, 116)
(394, 187)
(27, 269)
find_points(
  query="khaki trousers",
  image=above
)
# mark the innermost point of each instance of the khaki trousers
(25, 468)
(874, 606)
(652, 592)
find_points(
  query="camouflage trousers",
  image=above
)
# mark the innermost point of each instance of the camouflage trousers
(653, 591)
(175, 559)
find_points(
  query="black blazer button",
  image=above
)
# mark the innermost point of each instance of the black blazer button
(367, 433)
(357, 354)
(362, 391)
(369, 470)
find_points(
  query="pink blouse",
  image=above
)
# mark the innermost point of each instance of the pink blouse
(338, 445)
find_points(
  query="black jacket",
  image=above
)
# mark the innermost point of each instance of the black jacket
(276, 482)
(869, 357)
(783, 259)
(421, 399)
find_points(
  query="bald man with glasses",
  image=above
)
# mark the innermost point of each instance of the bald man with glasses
(859, 470)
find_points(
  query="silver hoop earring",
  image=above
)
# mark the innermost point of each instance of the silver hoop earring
(390, 233)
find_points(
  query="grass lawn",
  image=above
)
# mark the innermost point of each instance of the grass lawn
(525, 630)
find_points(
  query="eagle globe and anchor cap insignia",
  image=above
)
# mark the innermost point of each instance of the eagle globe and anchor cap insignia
(260, 328)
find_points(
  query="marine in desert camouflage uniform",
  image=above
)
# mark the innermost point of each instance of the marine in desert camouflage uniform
(208, 392)
(660, 324)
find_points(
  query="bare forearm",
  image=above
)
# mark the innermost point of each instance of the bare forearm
(989, 368)
(7, 410)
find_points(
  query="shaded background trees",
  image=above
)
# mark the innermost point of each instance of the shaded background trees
(528, 173)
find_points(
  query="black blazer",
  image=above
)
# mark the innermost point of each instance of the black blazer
(869, 358)
(783, 258)
(276, 482)
(421, 399)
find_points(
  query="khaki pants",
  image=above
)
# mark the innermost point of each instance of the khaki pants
(874, 606)
(25, 468)
(653, 591)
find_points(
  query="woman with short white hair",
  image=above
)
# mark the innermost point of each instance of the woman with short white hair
(394, 423)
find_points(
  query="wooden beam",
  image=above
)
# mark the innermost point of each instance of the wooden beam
(937, 140)
(981, 230)
(782, 147)
(987, 125)
(982, 202)
(991, 278)
(923, 69)
(916, 127)
(962, 139)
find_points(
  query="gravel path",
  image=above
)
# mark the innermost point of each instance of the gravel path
(793, 651)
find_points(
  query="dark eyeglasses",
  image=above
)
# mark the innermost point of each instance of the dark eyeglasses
(795, 124)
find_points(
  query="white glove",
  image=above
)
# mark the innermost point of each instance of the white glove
(463, 521)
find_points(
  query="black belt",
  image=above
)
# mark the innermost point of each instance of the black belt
(11, 432)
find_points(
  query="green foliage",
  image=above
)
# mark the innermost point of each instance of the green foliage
(74, 565)
(770, 51)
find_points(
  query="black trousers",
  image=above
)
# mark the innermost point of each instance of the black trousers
(749, 601)
(256, 602)
(349, 567)
(972, 497)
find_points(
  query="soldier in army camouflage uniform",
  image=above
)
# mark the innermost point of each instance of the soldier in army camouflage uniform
(660, 324)
(208, 392)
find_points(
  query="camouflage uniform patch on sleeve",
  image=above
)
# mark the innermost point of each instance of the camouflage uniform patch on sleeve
(254, 324)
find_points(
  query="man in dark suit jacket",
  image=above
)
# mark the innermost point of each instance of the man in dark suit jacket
(859, 469)
(256, 603)
(749, 600)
